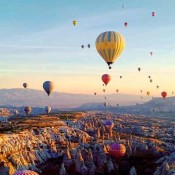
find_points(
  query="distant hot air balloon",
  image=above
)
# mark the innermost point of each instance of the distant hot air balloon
(110, 45)
(74, 23)
(153, 14)
(104, 90)
(117, 105)
(151, 53)
(89, 45)
(25, 85)
(95, 93)
(117, 90)
(120, 76)
(82, 46)
(105, 104)
(148, 93)
(149, 76)
(48, 86)
(117, 150)
(164, 94)
(141, 97)
(105, 98)
(126, 24)
(25, 172)
(157, 87)
(48, 109)
(172, 93)
(139, 69)
(27, 109)
(151, 81)
(141, 91)
(106, 79)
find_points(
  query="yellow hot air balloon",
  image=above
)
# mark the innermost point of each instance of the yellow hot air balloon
(110, 45)
(148, 93)
(74, 23)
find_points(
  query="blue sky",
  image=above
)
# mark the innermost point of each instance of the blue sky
(38, 42)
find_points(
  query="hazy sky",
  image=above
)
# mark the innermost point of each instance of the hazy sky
(38, 42)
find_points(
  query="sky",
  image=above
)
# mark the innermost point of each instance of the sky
(38, 42)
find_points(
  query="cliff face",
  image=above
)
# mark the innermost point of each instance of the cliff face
(29, 148)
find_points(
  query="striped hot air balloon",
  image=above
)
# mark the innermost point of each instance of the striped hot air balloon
(110, 45)
(25, 172)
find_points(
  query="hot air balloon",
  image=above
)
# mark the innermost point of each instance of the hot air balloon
(95, 93)
(172, 93)
(141, 91)
(149, 76)
(48, 109)
(139, 69)
(153, 14)
(25, 85)
(151, 53)
(74, 23)
(105, 98)
(105, 104)
(117, 90)
(126, 24)
(27, 109)
(117, 151)
(104, 90)
(106, 78)
(148, 93)
(89, 45)
(117, 105)
(25, 172)
(157, 87)
(110, 45)
(151, 81)
(164, 94)
(120, 76)
(82, 46)
(48, 86)
(109, 125)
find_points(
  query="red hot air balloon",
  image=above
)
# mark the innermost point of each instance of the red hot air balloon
(164, 94)
(126, 24)
(106, 79)
(153, 14)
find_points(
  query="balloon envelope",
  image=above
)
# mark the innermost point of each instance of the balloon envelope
(48, 86)
(164, 94)
(117, 150)
(27, 109)
(110, 45)
(106, 78)
(148, 93)
(74, 23)
(25, 85)
(25, 172)
(48, 109)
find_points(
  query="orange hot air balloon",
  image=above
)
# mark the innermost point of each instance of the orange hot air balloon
(106, 78)
(164, 94)
(117, 150)
(153, 14)
(126, 24)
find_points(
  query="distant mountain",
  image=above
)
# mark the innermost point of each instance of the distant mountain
(38, 98)
(154, 107)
